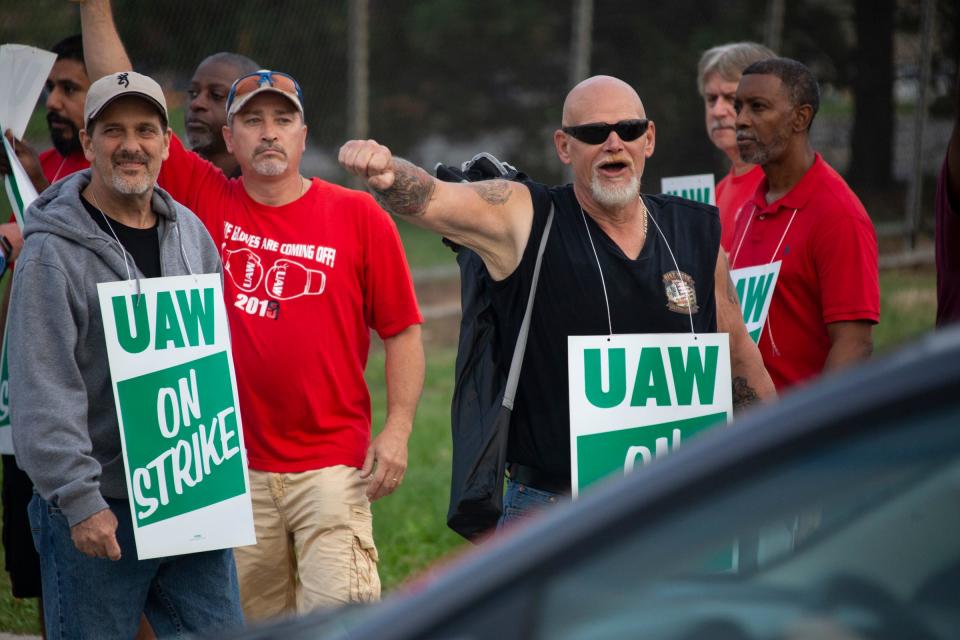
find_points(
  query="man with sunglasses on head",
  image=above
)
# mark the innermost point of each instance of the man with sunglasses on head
(608, 248)
(310, 269)
(803, 214)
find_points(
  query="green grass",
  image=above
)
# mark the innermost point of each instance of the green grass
(16, 616)
(410, 525)
(424, 248)
(908, 305)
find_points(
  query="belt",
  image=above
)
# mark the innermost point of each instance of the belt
(539, 479)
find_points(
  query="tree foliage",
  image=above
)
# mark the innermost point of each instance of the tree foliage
(452, 77)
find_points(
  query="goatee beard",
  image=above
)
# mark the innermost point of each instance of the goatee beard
(66, 146)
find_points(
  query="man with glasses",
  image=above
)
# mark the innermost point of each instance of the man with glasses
(804, 216)
(310, 269)
(609, 249)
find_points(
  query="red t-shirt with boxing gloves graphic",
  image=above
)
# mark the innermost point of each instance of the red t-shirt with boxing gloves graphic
(304, 283)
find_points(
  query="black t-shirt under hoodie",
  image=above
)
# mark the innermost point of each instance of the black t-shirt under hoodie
(142, 244)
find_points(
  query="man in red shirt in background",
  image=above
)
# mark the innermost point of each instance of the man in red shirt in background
(827, 295)
(309, 269)
(717, 76)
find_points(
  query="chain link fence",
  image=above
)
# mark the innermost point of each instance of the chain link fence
(449, 78)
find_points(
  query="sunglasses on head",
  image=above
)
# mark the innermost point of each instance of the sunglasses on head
(598, 132)
(252, 81)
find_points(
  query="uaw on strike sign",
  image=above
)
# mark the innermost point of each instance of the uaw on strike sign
(634, 398)
(175, 389)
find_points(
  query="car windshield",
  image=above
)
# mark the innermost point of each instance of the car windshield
(858, 537)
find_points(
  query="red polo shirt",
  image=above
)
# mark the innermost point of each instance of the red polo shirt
(733, 192)
(828, 248)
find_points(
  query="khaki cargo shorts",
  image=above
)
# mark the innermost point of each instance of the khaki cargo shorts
(314, 543)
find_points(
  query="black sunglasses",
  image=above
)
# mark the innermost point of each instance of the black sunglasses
(598, 132)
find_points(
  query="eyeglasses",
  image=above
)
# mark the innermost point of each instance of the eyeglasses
(598, 132)
(252, 81)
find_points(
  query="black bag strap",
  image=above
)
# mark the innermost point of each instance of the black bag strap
(513, 377)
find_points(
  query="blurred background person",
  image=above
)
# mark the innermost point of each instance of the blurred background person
(717, 76)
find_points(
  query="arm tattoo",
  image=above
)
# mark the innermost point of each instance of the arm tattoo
(495, 192)
(743, 394)
(410, 192)
(732, 293)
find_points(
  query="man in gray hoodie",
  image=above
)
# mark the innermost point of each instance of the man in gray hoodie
(105, 224)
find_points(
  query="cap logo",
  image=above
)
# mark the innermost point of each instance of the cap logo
(123, 80)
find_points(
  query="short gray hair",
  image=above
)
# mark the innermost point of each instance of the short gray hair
(729, 60)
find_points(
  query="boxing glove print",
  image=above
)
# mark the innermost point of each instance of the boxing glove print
(244, 268)
(287, 279)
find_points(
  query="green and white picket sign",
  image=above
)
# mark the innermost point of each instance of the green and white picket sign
(755, 286)
(700, 187)
(636, 397)
(176, 396)
(21, 192)
(23, 73)
(20, 189)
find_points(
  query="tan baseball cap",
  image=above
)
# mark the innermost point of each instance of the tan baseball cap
(116, 85)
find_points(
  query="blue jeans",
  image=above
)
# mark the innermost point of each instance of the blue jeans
(522, 501)
(86, 597)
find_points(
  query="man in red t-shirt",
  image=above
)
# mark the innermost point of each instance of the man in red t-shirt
(718, 74)
(309, 269)
(803, 214)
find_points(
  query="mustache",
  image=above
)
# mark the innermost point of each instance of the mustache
(53, 118)
(744, 136)
(269, 147)
(129, 156)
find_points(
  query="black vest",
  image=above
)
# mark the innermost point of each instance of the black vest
(644, 298)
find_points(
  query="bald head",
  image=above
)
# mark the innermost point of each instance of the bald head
(596, 98)
(241, 64)
(206, 112)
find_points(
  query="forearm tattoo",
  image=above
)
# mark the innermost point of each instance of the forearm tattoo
(410, 192)
(732, 293)
(743, 394)
(495, 192)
